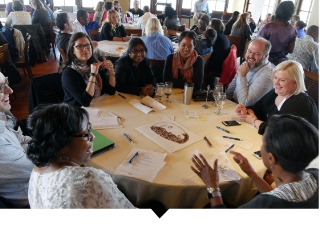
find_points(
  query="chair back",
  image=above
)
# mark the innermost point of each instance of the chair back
(137, 32)
(157, 67)
(185, 13)
(94, 34)
(4, 58)
(154, 62)
(226, 16)
(236, 40)
(311, 81)
(216, 14)
(63, 54)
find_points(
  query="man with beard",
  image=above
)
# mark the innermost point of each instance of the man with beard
(254, 77)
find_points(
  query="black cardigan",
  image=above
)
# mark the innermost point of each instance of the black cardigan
(130, 79)
(107, 34)
(74, 87)
(198, 72)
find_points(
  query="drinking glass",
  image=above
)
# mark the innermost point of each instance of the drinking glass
(168, 90)
(160, 90)
(220, 100)
(217, 89)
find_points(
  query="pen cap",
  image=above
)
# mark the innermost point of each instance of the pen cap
(187, 94)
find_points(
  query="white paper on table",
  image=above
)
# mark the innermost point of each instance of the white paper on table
(136, 103)
(93, 113)
(219, 143)
(165, 117)
(225, 167)
(169, 134)
(157, 106)
(191, 114)
(244, 144)
(106, 122)
(144, 167)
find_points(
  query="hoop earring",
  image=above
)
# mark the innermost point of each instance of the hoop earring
(64, 158)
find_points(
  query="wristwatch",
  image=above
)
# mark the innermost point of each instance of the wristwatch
(213, 192)
(93, 74)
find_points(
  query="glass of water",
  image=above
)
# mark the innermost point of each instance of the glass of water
(220, 100)
(160, 90)
(168, 90)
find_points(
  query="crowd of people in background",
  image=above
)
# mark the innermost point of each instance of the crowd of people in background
(268, 87)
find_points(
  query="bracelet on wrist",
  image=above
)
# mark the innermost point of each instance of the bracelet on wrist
(213, 192)
(93, 74)
(254, 122)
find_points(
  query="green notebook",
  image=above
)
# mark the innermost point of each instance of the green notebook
(101, 143)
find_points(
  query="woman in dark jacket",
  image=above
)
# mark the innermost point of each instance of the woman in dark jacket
(230, 23)
(41, 16)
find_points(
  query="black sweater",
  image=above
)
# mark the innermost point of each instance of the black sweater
(107, 34)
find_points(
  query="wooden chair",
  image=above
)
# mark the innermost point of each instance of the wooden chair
(94, 35)
(137, 32)
(63, 54)
(186, 13)
(52, 39)
(24, 62)
(217, 14)
(312, 84)
(226, 16)
(157, 67)
(236, 41)
(4, 58)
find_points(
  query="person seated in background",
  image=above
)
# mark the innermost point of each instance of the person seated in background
(19, 16)
(300, 25)
(229, 24)
(81, 21)
(253, 79)
(221, 47)
(201, 28)
(142, 21)
(99, 11)
(242, 29)
(161, 16)
(252, 24)
(136, 9)
(112, 29)
(15, 168)
(200, 8)
(287, 97)
(107, 6)
(185, 65)
(133, 73)
(171, 20)
(41, 16)
(81, 79)
(46, 5)
(306, 50)
(117, 7)
(66, 28)
(9, 9)
(294, 18)
(289, 144)
(281, 34)
(205, 44)
(265, 21)
(158, 45)
(58, 179)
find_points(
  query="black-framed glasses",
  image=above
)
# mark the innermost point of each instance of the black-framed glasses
(3, 86)
(135, 51)
(88, 133)
(82, 47)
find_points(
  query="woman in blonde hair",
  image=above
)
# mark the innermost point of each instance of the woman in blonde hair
(99, 11)
(112, 29)
(241, 28)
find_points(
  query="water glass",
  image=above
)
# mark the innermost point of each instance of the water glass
(220, 100)
(168, 90)
(160, 90)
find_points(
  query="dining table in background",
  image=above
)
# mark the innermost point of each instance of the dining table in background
(176, 185)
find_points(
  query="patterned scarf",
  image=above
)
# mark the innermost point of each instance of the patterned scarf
(177, 63)
(85, 71)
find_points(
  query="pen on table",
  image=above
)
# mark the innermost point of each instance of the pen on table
(223, 129)
(208, 142)
(146, 105)
(128, 138)
(121, 96)
(134, 157)
(114, 115)
(229, 148)
(233, 138)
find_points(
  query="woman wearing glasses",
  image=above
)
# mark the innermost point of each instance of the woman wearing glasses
(83, 77)
(133, 73)
(58, 150)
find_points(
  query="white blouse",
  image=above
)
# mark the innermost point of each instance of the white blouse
(75, 187)
(18, 18)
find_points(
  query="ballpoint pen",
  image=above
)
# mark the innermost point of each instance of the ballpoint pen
(114, 115)
(121, 96)
(229, 148)
(208, 142)
(223, 129)
(146, 105)
(232, 138)
(128, 138)
(134, 157)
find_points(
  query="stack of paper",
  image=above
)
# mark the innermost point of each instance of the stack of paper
(93, 113)
(145, 166)
(147, 104)
(105, 122)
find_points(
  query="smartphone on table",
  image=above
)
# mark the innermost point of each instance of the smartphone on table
(231, 123)
(257, 154)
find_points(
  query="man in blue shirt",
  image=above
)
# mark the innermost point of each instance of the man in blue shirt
(200, 8)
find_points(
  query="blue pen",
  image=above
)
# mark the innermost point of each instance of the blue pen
(134, 157)
(223, 129)
(128, 138)
(229, 148)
